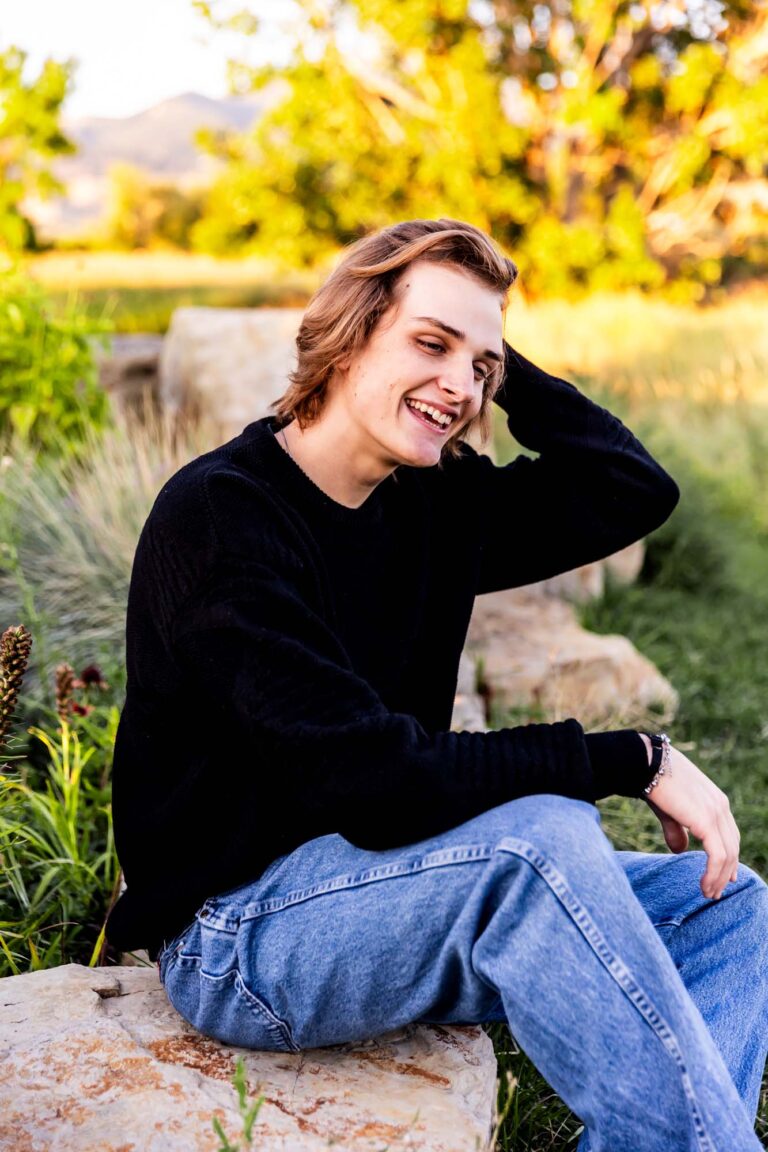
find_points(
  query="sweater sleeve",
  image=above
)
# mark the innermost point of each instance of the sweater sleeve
(269, 665)
(592, 490)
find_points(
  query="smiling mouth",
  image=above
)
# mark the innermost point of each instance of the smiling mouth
(438, 422)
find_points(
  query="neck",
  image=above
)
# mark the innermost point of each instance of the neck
(347, 474)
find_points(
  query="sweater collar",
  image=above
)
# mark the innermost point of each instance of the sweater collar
(284, 473)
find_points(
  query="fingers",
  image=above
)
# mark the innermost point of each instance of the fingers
(675, 835)
(685, 799)
(722, 846)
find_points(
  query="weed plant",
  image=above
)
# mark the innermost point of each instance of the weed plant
(249, 1111)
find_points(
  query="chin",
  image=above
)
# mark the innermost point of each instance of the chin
(424, 456)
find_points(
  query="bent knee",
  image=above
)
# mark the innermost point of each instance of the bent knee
(550, 822)
(752, 883)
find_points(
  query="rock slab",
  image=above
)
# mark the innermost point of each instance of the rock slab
(227, 365)
(538, 661)
(98, 1059)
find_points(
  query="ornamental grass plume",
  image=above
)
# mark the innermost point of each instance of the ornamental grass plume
(15, 647)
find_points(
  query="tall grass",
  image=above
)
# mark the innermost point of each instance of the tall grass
(57, 856)
(69, 530)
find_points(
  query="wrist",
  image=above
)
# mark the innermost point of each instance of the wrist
(659, 760)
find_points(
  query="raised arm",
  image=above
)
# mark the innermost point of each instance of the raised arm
(592, 490)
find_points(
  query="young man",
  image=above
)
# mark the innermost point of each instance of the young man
(310, 853)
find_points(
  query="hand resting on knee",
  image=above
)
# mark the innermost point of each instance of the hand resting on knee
(686, 800)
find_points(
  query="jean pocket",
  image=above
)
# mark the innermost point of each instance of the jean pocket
(174, 945)
(222, 1007)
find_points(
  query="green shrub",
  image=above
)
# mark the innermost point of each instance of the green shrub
(58, 868)
(58, 859)
(50, 395)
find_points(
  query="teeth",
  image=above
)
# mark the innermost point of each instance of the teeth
(439, 417)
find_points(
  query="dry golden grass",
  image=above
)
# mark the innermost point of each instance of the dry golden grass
(60, 271)
(648, 349)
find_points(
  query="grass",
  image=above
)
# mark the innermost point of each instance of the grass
(57, 857)
(138, 291)
(69, 530)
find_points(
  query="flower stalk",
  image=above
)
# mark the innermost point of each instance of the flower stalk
(15, 647)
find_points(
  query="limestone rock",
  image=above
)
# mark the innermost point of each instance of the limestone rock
(588, 582)
(227, 364)
(468, 704)
(536, 658)
(97, 1059)
(624, 566)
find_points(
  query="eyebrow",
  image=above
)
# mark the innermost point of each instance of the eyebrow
(457, 334)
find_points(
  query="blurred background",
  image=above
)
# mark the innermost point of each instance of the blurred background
(171, 153)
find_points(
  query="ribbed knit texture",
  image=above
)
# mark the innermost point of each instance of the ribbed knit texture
(292, 662)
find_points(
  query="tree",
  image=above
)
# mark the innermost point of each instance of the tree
(143, 213)
(605, 143)
(30, 139)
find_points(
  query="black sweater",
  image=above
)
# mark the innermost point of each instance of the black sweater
(292, 662)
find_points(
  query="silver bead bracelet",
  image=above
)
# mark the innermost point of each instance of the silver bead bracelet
(661, 747)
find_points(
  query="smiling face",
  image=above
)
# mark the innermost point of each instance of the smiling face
(419, 379)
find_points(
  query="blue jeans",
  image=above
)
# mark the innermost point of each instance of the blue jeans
(642, 1003)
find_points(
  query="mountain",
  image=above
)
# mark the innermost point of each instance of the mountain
(159, 140)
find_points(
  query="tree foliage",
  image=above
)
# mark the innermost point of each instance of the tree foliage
(605, 143)
(30, 139)
(145, 213)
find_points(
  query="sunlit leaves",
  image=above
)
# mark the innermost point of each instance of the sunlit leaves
(599, 140)
(30, 139)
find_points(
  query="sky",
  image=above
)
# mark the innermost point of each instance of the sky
(131, 53)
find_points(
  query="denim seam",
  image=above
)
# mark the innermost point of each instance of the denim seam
(617, 969)
(273, 1022)
(212, 916)
(255, 1003)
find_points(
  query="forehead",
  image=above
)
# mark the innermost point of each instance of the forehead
(456, 298)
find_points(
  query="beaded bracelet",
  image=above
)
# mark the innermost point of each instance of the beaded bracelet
(661, 748)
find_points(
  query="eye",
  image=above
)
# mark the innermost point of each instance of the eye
(431, 345)
(483, 372)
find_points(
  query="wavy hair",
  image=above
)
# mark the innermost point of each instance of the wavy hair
(344, 311)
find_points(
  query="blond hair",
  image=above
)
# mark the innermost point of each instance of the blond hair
(344, 311)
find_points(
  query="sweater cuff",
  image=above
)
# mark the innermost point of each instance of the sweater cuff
(619, 763)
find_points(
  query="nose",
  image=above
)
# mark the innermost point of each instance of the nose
(458, 381)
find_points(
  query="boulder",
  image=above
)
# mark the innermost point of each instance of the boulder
(227, 365)
(538, 661)
(97, 1059)
(468, 705)
(588, 582)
